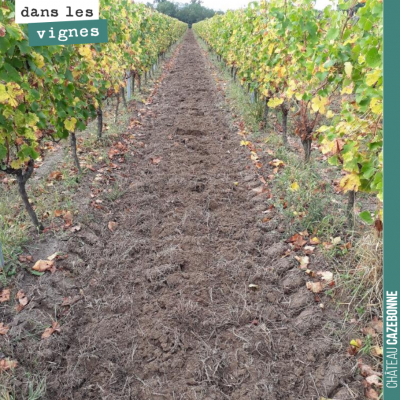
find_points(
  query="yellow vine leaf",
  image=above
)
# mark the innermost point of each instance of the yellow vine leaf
(38, 60)
(319, 103)
(348, 68)
(347, 89)
(16, 164)
(275, 102)
(373, 77)
(84, 51)
(70, 124)
(376, 106)
(350, 182)
(3, 94)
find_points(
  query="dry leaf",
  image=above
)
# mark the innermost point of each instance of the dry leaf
(55, 327)
(75, 228)
(22, 299)
(53, 257)
(309, 249)
(374, 380)
(44, 265)
(304, 261)
(297, 240)
(260, 189)
(277, 163)
(314, 240)
(369, 331)
(377, 325)
(6, 364)
(155, 160)
(326, 276)
(366, 370)
(377, 351)
(3, 329)
(112, 226)
(315, 287)
(371, 394)
(55, 175)
(59, 213)
(25, 259)
(68, 218)
(4, 295)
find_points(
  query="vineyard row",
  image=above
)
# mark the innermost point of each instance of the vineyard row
(323, 68)
(51, 92)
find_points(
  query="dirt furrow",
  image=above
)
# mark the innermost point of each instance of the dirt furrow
(166, 309)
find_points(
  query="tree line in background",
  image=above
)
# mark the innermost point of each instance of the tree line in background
(187, 12)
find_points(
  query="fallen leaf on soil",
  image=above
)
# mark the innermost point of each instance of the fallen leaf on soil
(371, 394)
(58, 213)
(377, 351)
(55, 175)
(366, 370)
(260, 189)
(155, 160)
(304, 261)
(369, 331)
(297, 240)
(277, 163)
(356, 343)
(23, 258)
(3, 329)
(355, 346)
(327, 245)
(377, 325)
(53, 257)
(315, 287)
(44, 265)
(4, 295)
(314, 240)
(309, 249)
(326, 276)
(55, 327)
(75, 228)
(112, 226)
(374, 380)
(7, 364)
(68, 218)
(22, 300)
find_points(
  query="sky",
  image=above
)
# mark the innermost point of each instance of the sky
(224, 5)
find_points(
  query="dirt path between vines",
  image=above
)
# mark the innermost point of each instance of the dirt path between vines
(163, 305)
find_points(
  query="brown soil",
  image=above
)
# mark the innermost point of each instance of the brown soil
(162, 305)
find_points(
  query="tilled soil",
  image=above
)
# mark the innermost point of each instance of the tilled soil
(162, 305)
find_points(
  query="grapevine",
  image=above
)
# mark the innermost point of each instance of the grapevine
(323, 67)
(51, 92)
